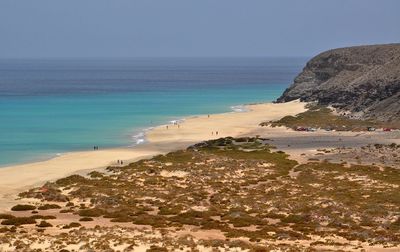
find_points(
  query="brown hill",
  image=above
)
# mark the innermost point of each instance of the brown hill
(363, 79)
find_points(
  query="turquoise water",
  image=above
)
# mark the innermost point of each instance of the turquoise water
(49, 107)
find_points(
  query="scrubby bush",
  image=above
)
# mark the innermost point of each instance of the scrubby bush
(86, 219)
(122, 219)
(44, 224)
(91, 212)
(43, 217)
(72, 225)
(17, 221)
(154, 248)
(49, 206)
(22, 207)
(6, 216)
(66, 211)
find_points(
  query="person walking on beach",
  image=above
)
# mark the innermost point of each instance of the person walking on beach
(216, 133)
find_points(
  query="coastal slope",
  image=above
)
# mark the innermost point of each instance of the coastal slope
(364, 80)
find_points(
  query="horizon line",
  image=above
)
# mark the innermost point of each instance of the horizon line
(145, 57)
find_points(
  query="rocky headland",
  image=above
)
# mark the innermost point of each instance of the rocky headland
(364, 80)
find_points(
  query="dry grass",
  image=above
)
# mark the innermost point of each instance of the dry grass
(322, 117)
(240, 188)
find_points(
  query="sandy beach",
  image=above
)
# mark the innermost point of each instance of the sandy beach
(159, 140)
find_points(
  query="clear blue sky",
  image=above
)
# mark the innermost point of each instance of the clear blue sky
(140, 28)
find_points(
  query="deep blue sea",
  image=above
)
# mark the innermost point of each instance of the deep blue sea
(53, 106)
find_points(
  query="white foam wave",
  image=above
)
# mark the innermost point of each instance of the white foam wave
(176, 121)
(139, 138)
(239, 108)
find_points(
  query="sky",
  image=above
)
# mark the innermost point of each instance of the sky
(192, 28)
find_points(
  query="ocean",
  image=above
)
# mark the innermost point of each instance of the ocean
(52, 106)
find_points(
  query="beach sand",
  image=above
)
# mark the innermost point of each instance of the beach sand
(15, 179)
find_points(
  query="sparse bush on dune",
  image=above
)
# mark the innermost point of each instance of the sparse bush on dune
(4, 230)
(43, 217)
(322, 117)
(96, 174)
(73, 179)
(72, 225)
(86, 219)
(66, 211)
(23, 207)
(155, 248)
(69, 204)
(91, 212)
(48, 192)
(6, 216)
(44, 224)
(49, 206)
(17, 221)
(122, 219)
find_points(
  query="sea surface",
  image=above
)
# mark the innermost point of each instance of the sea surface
(52, 106)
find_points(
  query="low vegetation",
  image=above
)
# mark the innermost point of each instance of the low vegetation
(321, 117)
(231, 189)
(44, 224)
(17, 221)
(49, 206)
(23, 208)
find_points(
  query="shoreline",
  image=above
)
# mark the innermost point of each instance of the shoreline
(138, 137)
(159, 140)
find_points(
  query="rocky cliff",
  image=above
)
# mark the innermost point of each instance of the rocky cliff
(363, 79)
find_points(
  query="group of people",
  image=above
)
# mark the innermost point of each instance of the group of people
(120, 162)
(175, 123)
(95, 147)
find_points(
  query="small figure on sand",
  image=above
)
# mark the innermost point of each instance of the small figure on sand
(167, 126)
(212, 133)
(95, 147)
(216, 133)
(208, 116)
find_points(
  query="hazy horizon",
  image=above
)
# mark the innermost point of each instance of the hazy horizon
(47, 29)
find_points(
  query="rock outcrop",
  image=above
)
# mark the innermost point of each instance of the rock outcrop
(363, 79)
